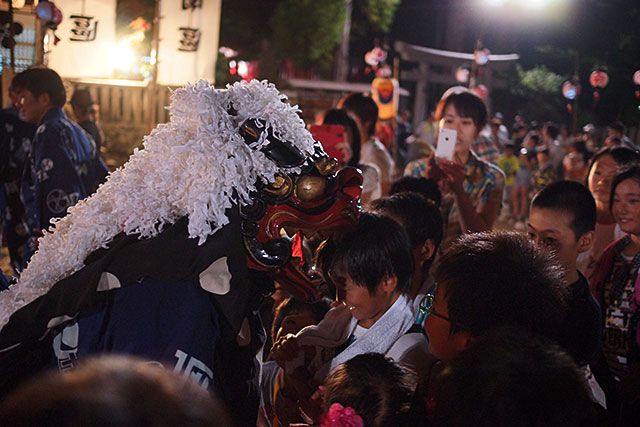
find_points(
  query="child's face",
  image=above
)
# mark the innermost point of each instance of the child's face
(542, 157)
(626, 206)
(550, 229)
(367, 307)
(600, 178)
(442, 344)
(293, 322)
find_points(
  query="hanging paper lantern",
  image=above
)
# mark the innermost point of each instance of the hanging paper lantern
(481, 56)
(48, 14)
(596, 95)
(569, 90)
(636, 77)
(569, 108)
(386, 93)
(599, 79)
(375, 56)
(481, 91)
(462, 74)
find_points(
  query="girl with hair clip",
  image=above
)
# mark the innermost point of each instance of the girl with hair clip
(616, 284)
(371, 390)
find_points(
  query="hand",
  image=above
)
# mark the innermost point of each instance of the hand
(284, 349)
(454, 172)
(433, 170)
(345, 151)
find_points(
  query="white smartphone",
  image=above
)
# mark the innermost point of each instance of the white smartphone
(446, 143)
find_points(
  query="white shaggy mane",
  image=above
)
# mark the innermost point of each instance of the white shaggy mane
(197, 165)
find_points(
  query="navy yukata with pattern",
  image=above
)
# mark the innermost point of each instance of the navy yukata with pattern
(15, 146)
(64, 166)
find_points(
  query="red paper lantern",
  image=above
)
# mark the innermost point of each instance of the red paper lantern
(636, 77)
(481, 91)
(599, 78)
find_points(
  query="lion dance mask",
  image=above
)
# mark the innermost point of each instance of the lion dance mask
(161, 262)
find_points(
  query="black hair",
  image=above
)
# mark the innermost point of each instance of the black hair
(552, 130)
(291, 305)
(340, 116)
(17, 83)
(630, 171)
(467, 104)
(617, 126)
(495, 279)
(543, 149)
(420, 218)
(42, 80)
(112, 391)
(510, 378)
(379, 389)
(377, 249)
(82, 100)
(535, 138)
(580, 145)
(510, 145)
(621, 155)
(364, 107)
(426, 187)
(573, 198)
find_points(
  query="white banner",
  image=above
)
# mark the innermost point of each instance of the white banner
(87, 36)
(189, 33)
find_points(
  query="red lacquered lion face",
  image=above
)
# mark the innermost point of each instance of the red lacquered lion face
(316, 202)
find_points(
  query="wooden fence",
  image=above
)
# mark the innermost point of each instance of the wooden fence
(122, 101)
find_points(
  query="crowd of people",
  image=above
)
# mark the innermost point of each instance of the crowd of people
(536, 326)
(430, 316)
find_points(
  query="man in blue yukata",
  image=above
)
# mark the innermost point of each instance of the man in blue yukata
(64, 165)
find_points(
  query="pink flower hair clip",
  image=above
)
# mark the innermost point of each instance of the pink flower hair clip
(339, 416)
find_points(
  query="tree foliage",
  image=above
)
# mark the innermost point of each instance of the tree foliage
(380, 13)
(305, 31)
(539, 93)
(308, 31)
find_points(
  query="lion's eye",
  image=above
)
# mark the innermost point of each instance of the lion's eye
(310, 188)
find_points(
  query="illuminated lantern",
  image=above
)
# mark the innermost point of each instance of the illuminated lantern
(481, 56)
(48, 14)
(386, 92)
(570, 91)
(375, 56)
(636, 77)
(599, 79)
(481, 91)
(462, 74)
